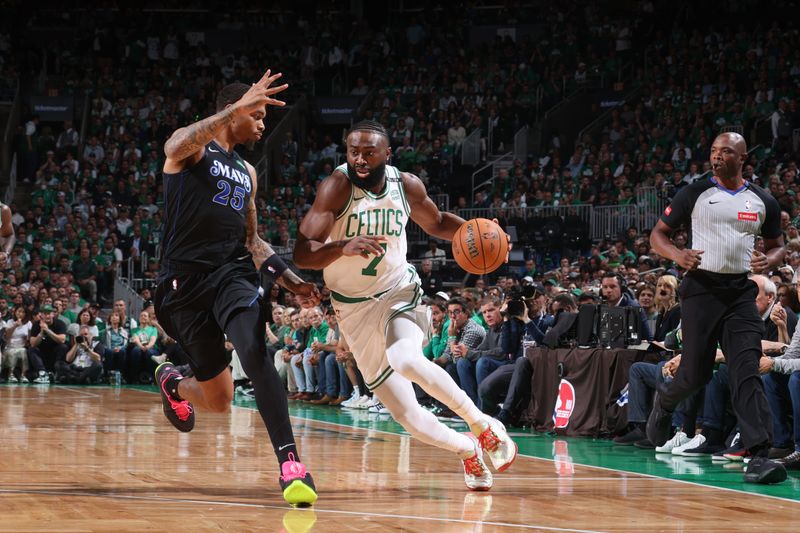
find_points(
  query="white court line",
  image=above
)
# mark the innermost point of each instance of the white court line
(651, 476)
(161, 499)
(78, 391)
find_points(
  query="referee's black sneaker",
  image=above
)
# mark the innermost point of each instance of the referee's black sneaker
(791, 461)
(178, 411)
(763, 470)
(659, 424)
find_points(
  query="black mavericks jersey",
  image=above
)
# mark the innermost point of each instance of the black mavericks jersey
(204, 213)
(724, 223)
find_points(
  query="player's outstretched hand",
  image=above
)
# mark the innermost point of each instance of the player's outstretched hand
(259, 94)
(689, 259)
(508, 238)
(364, 246)
(307, 295)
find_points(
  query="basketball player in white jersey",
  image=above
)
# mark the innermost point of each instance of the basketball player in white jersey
(355, 232)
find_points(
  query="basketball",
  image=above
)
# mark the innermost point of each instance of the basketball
(480, 246)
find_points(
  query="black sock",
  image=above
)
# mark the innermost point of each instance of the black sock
(244, 330)
(287, 452)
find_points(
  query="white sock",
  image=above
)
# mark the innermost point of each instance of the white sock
(404, 351)
(397, 394)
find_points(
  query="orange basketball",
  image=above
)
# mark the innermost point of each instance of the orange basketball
(480, 246)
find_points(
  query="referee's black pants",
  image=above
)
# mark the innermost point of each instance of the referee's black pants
(721, 308)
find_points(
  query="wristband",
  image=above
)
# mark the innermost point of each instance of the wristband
(273, 267)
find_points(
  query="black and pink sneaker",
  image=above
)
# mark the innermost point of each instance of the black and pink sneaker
(179, 412)
(297, 484)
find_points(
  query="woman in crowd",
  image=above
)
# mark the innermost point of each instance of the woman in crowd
(143, 342)
(116, 341)
(85, 319)
(667, 306)
(15, 355)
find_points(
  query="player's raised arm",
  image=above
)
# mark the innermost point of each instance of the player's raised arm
(186, 144)
(310, 250)
(424, 211)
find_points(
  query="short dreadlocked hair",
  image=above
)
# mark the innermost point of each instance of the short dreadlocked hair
(369, 126)
(231, 94)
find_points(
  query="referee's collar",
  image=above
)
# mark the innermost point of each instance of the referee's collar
(744, 186)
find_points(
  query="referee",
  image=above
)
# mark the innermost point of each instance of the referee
(725, 214)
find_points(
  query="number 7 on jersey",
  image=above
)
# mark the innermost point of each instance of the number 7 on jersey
(372, 267)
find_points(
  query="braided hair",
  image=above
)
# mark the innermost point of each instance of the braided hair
(369, 126)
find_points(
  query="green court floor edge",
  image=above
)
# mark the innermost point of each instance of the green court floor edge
(566, 453)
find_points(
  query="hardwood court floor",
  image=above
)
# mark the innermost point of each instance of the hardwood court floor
(104, 459)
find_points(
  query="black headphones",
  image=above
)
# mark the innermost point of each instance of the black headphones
(623, 283)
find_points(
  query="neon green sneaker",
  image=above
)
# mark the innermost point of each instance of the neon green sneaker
(297, 484)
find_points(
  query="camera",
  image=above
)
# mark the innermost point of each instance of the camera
(516, 308)
(80, 339)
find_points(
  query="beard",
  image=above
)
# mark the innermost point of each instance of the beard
(373, 178)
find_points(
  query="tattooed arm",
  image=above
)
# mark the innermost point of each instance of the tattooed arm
(187, 143)
(257, 246)
(260, 250)
(185, 147)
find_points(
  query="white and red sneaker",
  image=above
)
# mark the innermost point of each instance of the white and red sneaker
(476, 474)
(498, 445)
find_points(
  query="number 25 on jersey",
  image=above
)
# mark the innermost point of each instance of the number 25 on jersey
(227, 195)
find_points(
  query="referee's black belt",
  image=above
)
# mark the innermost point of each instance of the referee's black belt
(718, 275)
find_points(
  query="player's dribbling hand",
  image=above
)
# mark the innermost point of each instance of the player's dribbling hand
(508, 238)
(758, 262)
(258, 95)
(689, 259)
(307, 294)
(364, 246)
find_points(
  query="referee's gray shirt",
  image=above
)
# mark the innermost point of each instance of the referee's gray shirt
(724, 223)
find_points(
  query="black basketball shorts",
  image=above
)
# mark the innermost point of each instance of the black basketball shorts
(194, 308)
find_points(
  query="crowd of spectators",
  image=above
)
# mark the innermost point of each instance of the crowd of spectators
(697, 81)
(95, 203)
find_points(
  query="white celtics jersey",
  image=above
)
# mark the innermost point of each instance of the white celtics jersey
(384, 215)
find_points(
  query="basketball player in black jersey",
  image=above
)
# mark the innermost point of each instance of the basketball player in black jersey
(208, 284)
